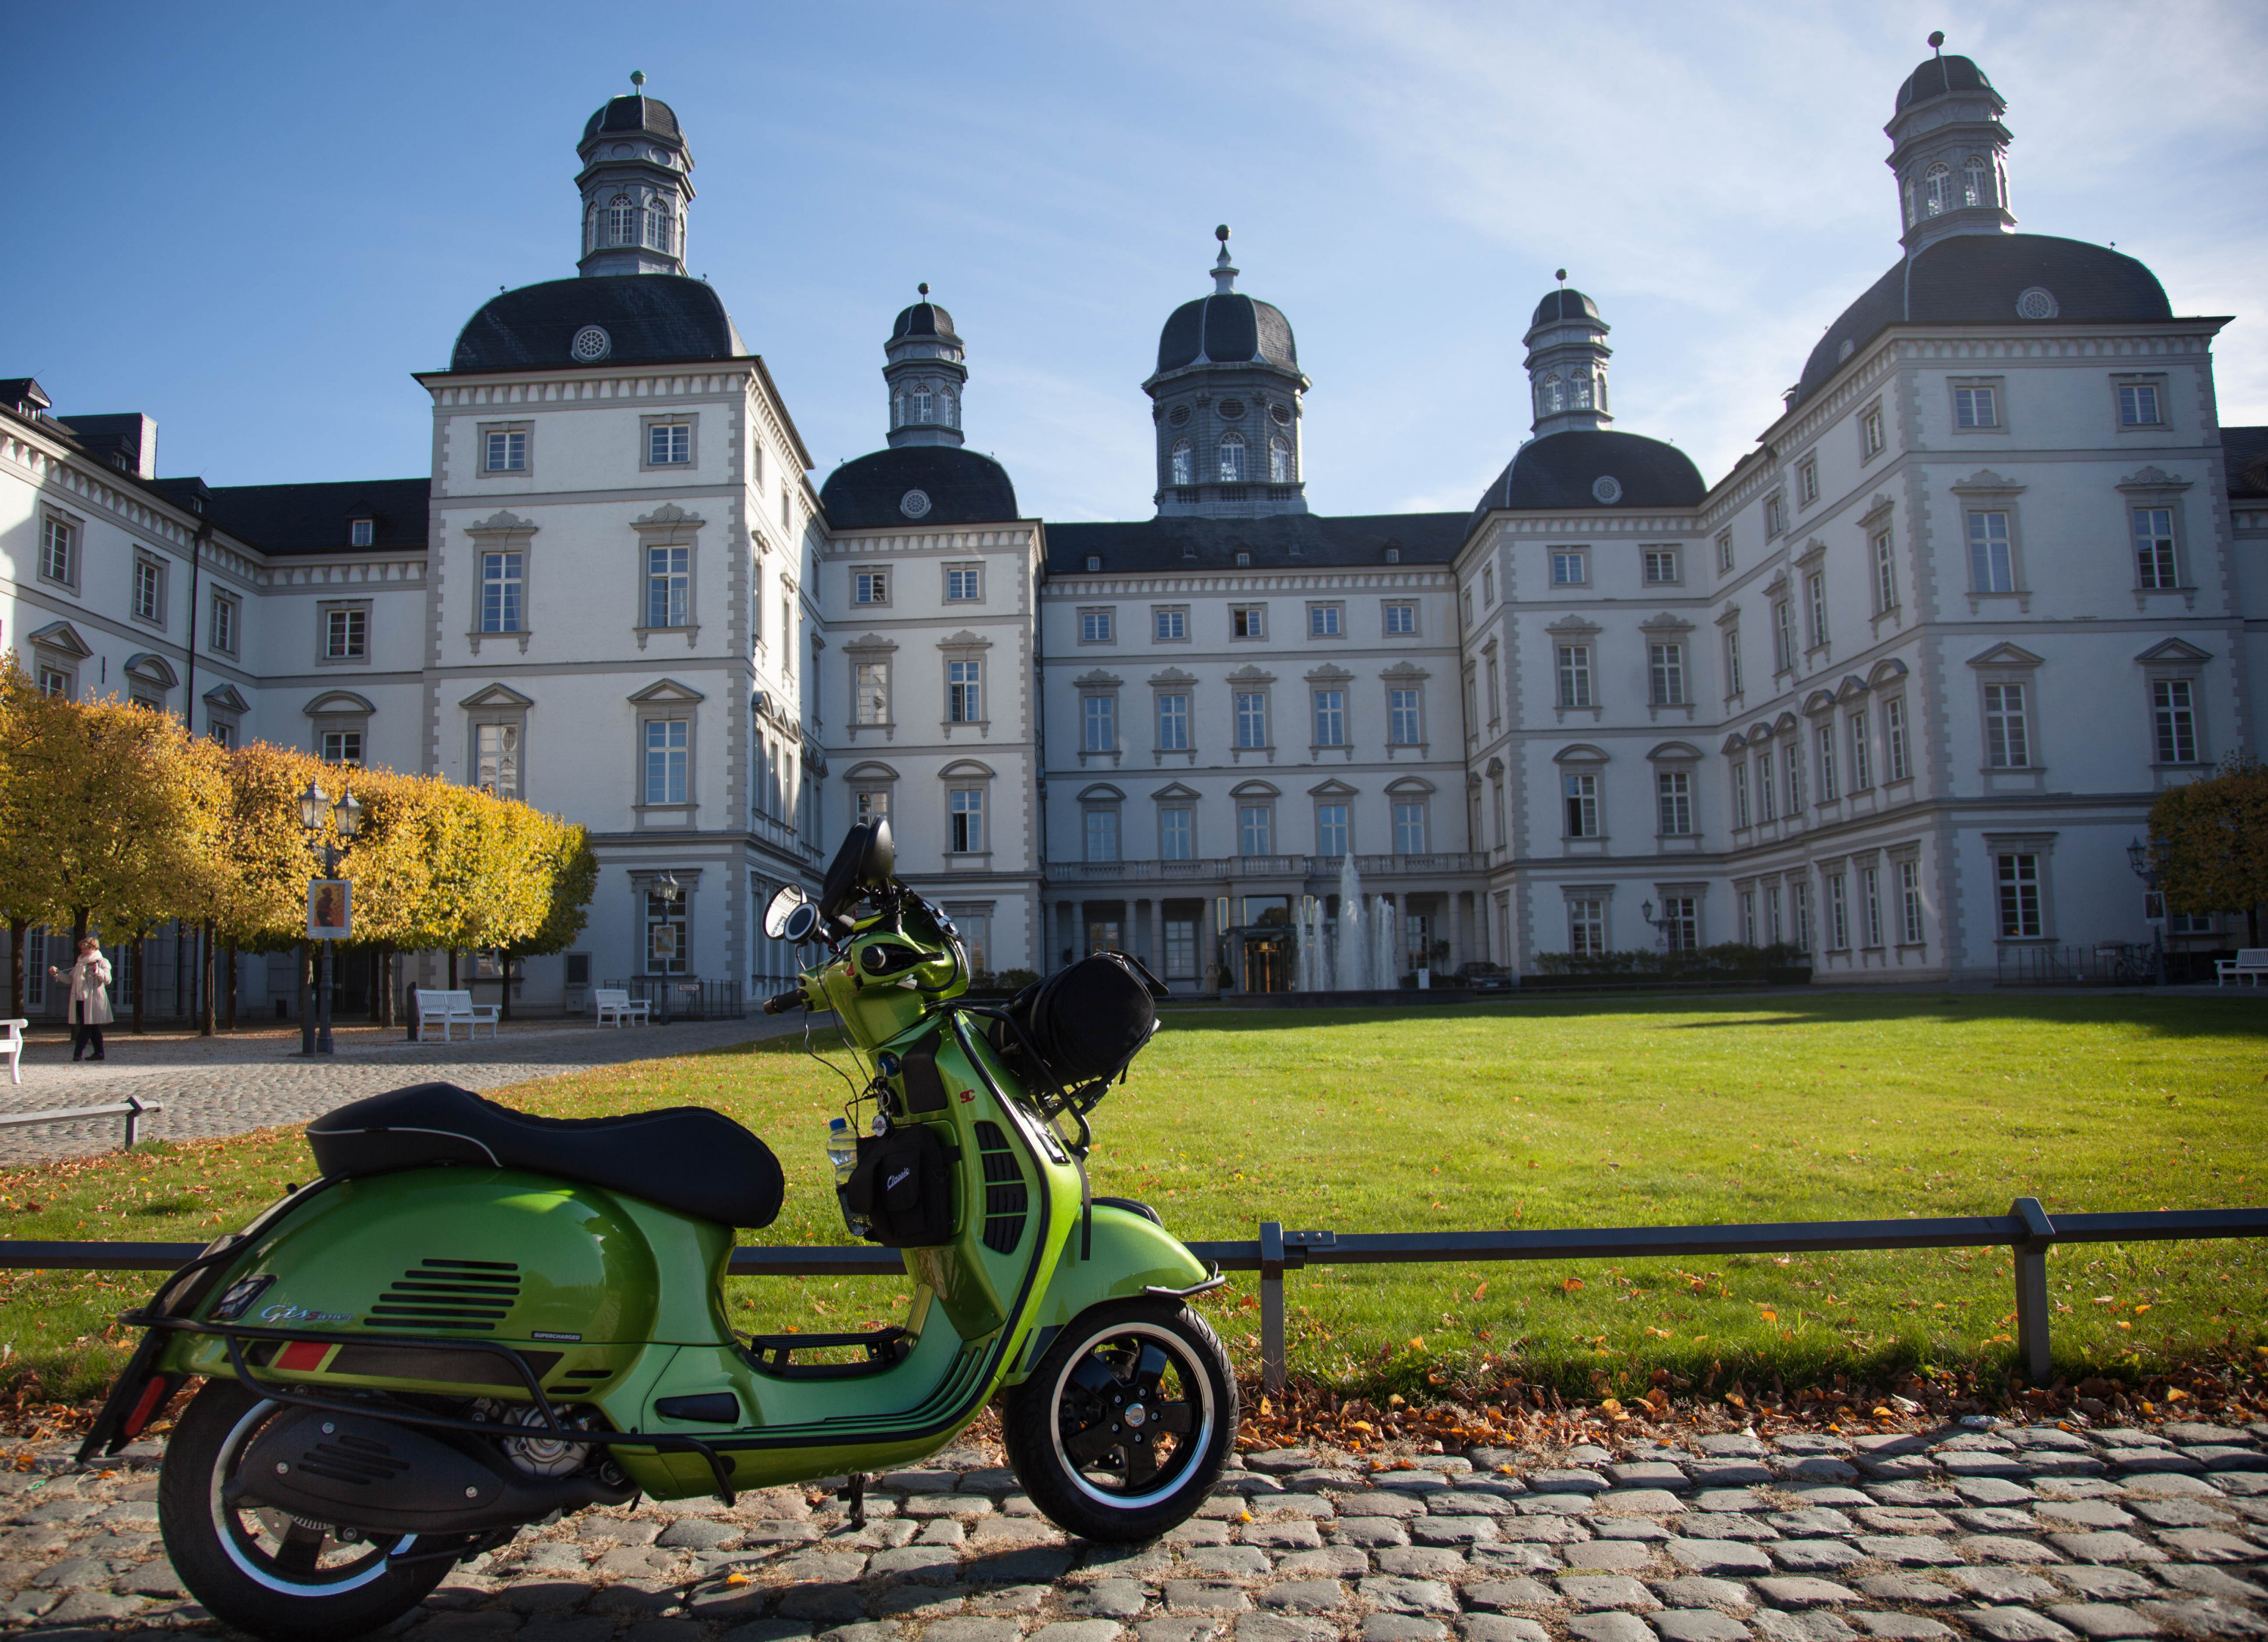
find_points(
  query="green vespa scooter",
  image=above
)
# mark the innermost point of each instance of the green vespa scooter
(476, 1319)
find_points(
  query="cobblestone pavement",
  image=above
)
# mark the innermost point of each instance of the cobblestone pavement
(226, 1085)
(2018, 1534)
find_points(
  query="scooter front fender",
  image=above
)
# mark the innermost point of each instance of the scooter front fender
(1129, 1255)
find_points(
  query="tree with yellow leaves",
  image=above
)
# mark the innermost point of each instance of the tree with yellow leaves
(2209, 843)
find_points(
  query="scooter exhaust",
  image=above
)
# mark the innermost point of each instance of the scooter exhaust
(373, 1474)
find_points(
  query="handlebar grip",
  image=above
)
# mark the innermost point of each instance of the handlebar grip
(781, 1003)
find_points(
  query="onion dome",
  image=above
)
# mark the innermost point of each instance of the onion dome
(1586, 469)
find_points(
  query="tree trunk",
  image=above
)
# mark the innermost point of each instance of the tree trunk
(17, 928)
(2251, 928)
(504, 1005)
(79, 929)
(453, 969)
(140, 979)
(205, 980)
(232, 959)
(180, 969)
(385, 985)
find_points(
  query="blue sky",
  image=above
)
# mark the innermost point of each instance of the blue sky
(254, 222)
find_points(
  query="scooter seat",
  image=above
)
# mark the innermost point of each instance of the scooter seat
(685, 1157)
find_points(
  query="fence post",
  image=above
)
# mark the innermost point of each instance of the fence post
(1272, 1306)
(2033, 1306)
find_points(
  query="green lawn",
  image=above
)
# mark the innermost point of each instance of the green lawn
(1543, 1114)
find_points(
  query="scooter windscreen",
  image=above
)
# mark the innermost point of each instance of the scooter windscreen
(867, 857)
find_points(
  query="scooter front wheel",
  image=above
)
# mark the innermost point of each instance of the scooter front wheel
(275, 1575)
(1122, 1429)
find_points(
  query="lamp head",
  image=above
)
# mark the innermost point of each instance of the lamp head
(314, 803)
(2137, 855)
(1645, 910)
(349, 815)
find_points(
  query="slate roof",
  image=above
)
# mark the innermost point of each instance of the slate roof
(1226, 328)
(1941, 76)
(2247, 453)
(287, 518)
(923, 319)
(1564, 304)
(962, 487)
(1975, 279)
(652, 318)
(1284, 541)
(1559, 470)
(634, 113)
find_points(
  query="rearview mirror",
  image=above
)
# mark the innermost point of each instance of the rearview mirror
(779, 913)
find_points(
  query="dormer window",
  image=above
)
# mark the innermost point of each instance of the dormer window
(361, 532)
(661, 227)
(1279, 461)
(1553, 395)
(1973, 177)
(1183, 462)
(1581, 384)
(923, 406)
(621, 221)
(1937, 190)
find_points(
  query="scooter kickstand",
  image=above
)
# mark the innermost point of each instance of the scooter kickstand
(854, 1490)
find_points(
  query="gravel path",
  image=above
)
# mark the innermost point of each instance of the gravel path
(228, 1085)
(2019, 1534)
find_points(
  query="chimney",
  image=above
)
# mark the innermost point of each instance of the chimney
(127, 439)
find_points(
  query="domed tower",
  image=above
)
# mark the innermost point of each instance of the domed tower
(636, 182)
(1949, 151)
(1567, 356)
(1226, 399)
(926, 375)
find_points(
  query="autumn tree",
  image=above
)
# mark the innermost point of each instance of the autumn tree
(2209, 843)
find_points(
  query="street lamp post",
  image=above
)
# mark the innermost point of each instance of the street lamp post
(314, 806)
(1661, 928)
(2139, 857)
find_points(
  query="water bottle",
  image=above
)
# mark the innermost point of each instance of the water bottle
(842, 1150)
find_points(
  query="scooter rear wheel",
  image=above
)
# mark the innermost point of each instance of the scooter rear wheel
(1123, 1427)
(258, 1569)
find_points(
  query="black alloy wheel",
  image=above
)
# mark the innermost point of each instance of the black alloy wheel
(1124, 1427)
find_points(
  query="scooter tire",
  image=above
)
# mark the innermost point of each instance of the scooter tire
(1073, 1428)
(226, 1572)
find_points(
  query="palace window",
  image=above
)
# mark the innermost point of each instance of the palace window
(1733, 684)
(2173, 712)
(2019, 881)
(1099, 724)
(346, 635)
(1680, 922)
(1575, 675)
(1279, 461)
(1330, 719)
(1673, 792)
(1251, 719)
(1975, 407)
(1403, 726)
(343, 747)
(1401, 618)
(1097, 627)
(2138, 405)
(1894, 733)
(1325, 620)
(1176, 835)
(1886, 575)
(1171, 625)
(1666, 675)
(1582, 795)
(1256, 829)
(1815, 588)
(1662, 567)
(503, 582)
(665, 934)
(1862, 774)
(870, 587)
(964, 692)
(1231, 459)
(1783, 636)
(2008, 740)
(150, 590)
(1740, 793)
(1571, 567)
(1767, 796)
(1587, 927)
(668, 585)
(1937, 190)
(220, 631)
(964, 583)
(1871, 439)
(1724, 552)
(1870, 903)
(506, 452)
(1973, 174)
(496, 759)
(1183, 463)
(668, 444)
(967, 812)
(1825, 739)
(59, 551)
(1806, 481)
(1172, 724)
(1992, 562)
(2154, 548)
(1330, 829)
(1410, 827)
(870, 693)
(621, 220)
(1248, 621)
(669, 745)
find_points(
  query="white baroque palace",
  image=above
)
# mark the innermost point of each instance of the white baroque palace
(1898, 689)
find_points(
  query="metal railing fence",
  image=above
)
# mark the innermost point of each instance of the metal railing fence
(2026, 1231)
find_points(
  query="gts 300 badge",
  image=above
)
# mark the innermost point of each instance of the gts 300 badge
(239, 1298)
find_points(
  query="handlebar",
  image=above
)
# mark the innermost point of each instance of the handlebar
(781, 1003)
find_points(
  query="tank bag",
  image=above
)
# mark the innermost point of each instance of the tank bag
(902, 1189)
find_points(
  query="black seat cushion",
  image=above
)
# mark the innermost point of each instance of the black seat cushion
(685, 1157)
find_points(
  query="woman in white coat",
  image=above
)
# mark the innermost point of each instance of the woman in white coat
(89, 995)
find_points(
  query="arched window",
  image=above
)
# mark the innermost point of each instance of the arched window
(1231, 459)
(1279, 461)
(1937, 188)
(659, 226)
(897, 410)
(621, 221)
(590, 229)
(2000, 176)
(1602, 390)
(1183, 462)
(951, 406)
(1909, 202)
(1555, 395)
(1581, 384)
(1973, 177)
(923, 409)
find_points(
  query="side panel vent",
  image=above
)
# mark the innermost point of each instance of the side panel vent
(1006, 1200)
(471, 1295)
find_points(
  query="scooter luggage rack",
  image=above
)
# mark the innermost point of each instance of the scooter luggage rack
(234, 1338)
(886, 1347)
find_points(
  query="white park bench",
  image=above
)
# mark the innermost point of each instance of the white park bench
(13, 1047)
(2251, 966)
(614, 1003)
(449, 1010)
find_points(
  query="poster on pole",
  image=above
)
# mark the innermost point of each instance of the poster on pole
(330, 909)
